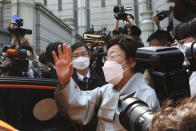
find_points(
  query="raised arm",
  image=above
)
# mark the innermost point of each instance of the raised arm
(64, 67)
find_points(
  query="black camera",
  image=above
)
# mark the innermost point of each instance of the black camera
(120, 12)
(163, 14)
(16, 29)
(18, 61)
(170, 82)
(169, 78)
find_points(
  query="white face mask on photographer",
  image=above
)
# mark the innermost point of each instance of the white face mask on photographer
(113, 71)
(81, 63)
(183, 48)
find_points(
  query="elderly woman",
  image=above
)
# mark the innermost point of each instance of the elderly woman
(124, 81)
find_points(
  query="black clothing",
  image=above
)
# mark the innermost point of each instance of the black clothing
(96, 80)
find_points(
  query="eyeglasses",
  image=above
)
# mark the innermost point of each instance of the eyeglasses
(83, 54)
(113, 56)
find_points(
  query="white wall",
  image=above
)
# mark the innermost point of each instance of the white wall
(104, 16)
(50, 29)
(6, 14)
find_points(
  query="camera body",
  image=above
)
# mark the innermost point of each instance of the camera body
(120, 12)
(19, 62)
(17, 30)
(169, 77)
(163, 14)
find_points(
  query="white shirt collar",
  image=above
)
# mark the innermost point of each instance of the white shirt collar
(80, 77)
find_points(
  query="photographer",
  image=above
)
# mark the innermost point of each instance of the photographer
(15, 63)
(160, 38)
(124, 81)
(130, 28)
(159, 17)
(17, 40)
(186, 35)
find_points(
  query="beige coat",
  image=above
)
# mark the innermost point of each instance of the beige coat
(82, 106)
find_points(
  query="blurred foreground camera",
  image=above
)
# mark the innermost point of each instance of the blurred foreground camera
(16, 29)
(170, 81)
(135, 115)
(120, 12)
(169, 78)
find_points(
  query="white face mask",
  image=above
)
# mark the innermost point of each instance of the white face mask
(113, 72)
(30, 64)
(81, 63)
(183, 48)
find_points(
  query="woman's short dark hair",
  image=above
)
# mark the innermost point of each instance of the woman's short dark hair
(129, 45)
(79, 44)
(126, 43)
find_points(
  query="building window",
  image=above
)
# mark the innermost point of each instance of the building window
(59, 5)
(45, 2)
(118, 2)
(102, 3)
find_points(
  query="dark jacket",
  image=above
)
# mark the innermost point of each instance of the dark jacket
(96, 79)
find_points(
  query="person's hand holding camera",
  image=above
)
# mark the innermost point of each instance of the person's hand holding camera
(156, 21)
(130, 20)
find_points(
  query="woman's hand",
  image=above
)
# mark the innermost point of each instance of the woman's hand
(64, 67)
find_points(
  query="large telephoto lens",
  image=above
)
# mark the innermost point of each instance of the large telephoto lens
(135, 115)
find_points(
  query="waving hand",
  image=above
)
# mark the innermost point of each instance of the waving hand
(64, 67)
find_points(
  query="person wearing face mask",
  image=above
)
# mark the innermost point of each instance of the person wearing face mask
(102, 103)
(186, 35)
(85, 76)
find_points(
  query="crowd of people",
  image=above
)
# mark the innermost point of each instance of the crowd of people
(89, 96)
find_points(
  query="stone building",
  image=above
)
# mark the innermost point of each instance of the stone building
(82, 14)
(46, 27)
(49, 19)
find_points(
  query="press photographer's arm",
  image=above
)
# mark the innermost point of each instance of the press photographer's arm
(21, 39)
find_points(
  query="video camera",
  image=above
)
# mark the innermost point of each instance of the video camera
(170, 81)
(18, 61)
(120, 12)
(17, 30)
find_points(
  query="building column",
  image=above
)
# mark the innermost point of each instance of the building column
(25, 9)
(145, 20)
(82, 16)
(1, 13)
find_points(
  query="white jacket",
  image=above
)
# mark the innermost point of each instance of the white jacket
(81, 106)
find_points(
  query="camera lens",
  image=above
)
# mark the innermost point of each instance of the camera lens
(135, 115)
